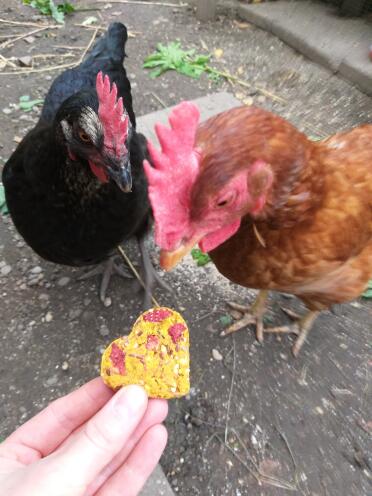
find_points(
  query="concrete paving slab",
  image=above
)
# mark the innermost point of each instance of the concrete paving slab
(208, 105)
(157, 485)
(338, 43)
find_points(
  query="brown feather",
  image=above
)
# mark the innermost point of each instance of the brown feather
(317, 224)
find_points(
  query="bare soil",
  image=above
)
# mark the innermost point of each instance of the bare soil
(304, 423)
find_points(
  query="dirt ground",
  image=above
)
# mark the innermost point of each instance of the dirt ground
(304, 423)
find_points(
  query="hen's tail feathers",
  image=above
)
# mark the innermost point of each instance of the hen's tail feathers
(110, 46)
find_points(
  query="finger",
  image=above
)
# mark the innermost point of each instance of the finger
(132, 475)
(85, 455)
(47, 430)
(156, 413)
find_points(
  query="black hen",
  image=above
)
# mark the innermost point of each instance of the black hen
(75, 185)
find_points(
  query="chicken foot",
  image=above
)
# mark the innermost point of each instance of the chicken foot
(150, 276)
(107, 269)
(301, 328)
(251, 315)
(254, 315)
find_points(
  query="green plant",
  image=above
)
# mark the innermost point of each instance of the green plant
(173, 57)
(200, 257)
(27, 105)
(368, 292)
(48, 7)
(3, 205)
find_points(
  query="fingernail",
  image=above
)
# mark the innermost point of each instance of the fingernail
(130, 399)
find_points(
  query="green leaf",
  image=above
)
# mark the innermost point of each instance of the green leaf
(173, 57)
(89, 21)
(368, 292)
(27, 105)
(3, 205)
(57, 14)
(200, 257)
(226, 320)
(48, 7)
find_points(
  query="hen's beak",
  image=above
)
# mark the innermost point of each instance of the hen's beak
(120, 172)
(169, 259)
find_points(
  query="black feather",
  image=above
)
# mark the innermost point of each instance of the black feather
(60, 208)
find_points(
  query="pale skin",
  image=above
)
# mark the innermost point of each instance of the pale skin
(91, 442)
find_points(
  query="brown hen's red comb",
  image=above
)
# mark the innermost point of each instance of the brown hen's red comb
(174, 170)
(111, 112)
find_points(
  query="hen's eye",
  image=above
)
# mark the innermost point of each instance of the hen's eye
(222, 202)
(84, 137)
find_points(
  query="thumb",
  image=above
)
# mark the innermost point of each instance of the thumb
(82, 458)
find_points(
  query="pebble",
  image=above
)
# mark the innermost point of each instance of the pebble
(63, 281)
(65, 366)
(29, 39)
(104, 330)
(87, 301)
(25, 61)
(51, 381)
(216, 354)
(36, 270)
(75, 313)
(107, 302)
(7, 111)
(48, 317)
(5, 270)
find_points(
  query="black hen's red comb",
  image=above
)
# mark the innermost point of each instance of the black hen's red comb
(112, 114)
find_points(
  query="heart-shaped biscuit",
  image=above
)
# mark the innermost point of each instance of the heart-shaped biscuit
(155, 355)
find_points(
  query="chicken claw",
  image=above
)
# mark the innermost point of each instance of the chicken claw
(251, 315)
(107, 269)
(301, 328)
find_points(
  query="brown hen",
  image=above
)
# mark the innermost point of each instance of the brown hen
(274, 210)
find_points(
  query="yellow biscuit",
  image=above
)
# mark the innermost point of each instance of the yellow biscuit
(155, 355)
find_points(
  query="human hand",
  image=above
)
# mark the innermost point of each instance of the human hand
(90, 442)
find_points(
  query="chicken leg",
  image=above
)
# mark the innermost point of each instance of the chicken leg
(300, 327)
(254, 315)
(150, 275)
(107, 269)
(251, 315)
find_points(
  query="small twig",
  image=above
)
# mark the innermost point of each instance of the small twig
(36, 24)
(135, 272)
(141, 2)
(42, 69)
(55, 67)
(239, 81)
(284, 437)
(66, 47)
(264, 477)
(89, 26)
(230, 392)
(87, 47)
(244, 463)
(7, 36)
(52, 55)
(158, 99)
(7, 61)
(13, 40)
(206, 315)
